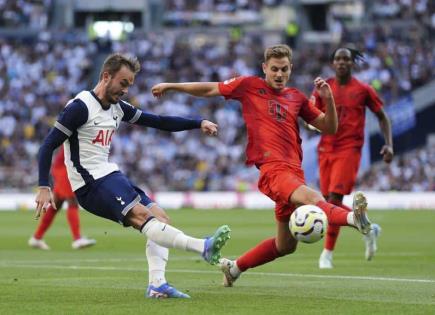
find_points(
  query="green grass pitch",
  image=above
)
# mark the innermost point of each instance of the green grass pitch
(111, 277)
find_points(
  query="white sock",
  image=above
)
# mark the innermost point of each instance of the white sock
(157, 257)
(327, 253)
(167, 236)
(351, 218)
(234, 270)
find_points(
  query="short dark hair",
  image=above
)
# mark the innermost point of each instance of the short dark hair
(278, 51)
(115, 61)
(355, 54)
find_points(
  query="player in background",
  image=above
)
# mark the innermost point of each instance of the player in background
(62, 191)
(85, 128)
(340, 154)
(270, 110)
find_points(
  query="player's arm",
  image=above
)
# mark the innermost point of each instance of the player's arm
(387, 151)
(73, 116)
(204, 89)
(167, 123)
(326, 122)
(43, 198)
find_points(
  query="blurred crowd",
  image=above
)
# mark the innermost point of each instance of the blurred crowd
(37, 78)
(218, 5)
(412, 171)
(25, 13)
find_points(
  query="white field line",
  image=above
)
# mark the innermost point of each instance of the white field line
(185, 258)
(268, 274)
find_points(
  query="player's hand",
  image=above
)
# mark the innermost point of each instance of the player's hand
(323, 88)
(209, 128)
(159, 89)
(43, 199)
(387, 153)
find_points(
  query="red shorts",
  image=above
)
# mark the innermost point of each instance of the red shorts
(62, 187)
(278, 181)
(338, 171)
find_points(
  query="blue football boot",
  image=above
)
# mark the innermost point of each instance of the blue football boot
(164, 291)
(213, 245)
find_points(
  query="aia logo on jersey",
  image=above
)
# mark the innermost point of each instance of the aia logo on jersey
(277, 111)
(104, 137)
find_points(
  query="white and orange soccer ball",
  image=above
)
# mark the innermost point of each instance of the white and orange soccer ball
(308, 224)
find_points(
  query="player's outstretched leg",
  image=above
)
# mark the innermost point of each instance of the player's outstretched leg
(167, 236)
(213, 244)
(164, 291)
(371, 240)
(359, 207)
(230, 270)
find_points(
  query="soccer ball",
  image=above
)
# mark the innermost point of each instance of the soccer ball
(308, 224)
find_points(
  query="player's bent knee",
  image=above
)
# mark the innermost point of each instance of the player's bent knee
(137, 216)
(287, 248)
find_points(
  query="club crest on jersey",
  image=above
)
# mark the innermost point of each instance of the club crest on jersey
(104, 137)
(277, 110)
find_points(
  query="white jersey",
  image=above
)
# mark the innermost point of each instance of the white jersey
(90, 129)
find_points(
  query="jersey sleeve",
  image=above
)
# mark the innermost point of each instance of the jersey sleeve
(233, 88)
(309, 111)
(167, 123)
(131, 113)
(74, 115)
(373, 100)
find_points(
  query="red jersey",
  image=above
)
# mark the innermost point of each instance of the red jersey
(59, 160)
(351, 100)
(271, 119)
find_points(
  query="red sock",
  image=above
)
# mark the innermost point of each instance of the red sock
(333, 230)
(263, 253)
(335, 214)
(72, 215)
(45, 223)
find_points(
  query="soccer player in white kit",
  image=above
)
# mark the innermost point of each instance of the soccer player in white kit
(86, 127)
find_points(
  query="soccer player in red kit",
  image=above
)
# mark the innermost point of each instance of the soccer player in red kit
(340, 154)
(270, 110)
(62, 192)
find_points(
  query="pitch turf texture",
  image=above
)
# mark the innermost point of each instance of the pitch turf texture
(111, 277)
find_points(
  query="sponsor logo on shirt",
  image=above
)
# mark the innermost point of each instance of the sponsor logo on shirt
(277, 110)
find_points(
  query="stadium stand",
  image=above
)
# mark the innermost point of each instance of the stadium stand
(37, 77)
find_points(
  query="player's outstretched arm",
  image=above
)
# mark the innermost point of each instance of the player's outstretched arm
(327, 123)
(204, 89)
